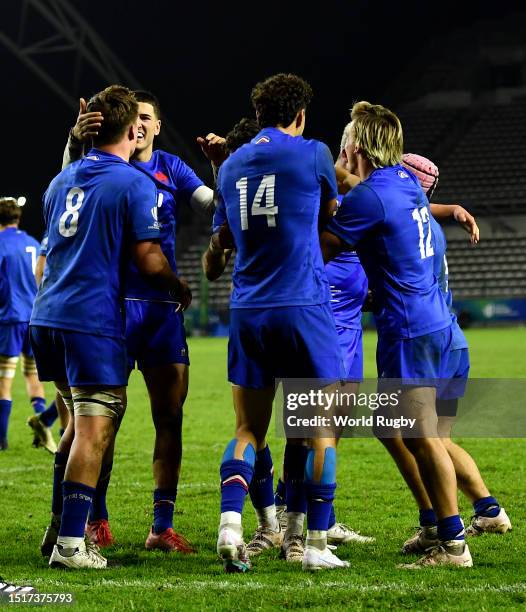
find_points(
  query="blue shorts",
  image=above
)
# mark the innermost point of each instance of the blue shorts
(420, 362)
(352, 352)
(269, 344)
(82, 359)
(155, 334)
(453, 385)
(14, 339)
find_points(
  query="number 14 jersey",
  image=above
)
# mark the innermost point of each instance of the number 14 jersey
(270, 191)
(94, 210)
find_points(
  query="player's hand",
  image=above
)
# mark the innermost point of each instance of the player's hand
(214, 148)
(468, 222)
(184, 294)
(87, 124)
(223, 239)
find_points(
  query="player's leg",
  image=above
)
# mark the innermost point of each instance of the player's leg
(253, 408)
(320, 485)
(43, 418)
(167, 387)
(438, 475)
(59, 468)
(7, 373)
(489, 516)
(98, 528)
(268, 533)
(426, 535)
(97, 413)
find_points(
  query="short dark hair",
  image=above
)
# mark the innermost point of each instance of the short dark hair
(241, 133)
(278, 99)
(10, 212)
(147, 96)
(119, 109)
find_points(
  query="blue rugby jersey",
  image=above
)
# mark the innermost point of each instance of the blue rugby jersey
(442, 274)
(94, 210)
(175, 182)
(270, 191)
(18, 253)
(387, 219)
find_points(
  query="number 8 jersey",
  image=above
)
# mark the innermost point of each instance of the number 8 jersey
(386, 218)
(94, 210)
(270, 191)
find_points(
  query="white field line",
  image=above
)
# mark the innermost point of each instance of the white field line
(201, 585)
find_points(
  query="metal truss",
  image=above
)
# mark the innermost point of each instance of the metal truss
(36, 30)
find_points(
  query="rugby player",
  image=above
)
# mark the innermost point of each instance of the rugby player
(18, 256)
(96, 210)
(489, 516)
(387, 218)
(155, 335)
(279, 316)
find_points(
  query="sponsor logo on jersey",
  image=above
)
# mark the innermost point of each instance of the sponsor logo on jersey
(402, 174)
(263, 140)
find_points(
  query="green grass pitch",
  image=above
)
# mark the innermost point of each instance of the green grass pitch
(371, 497)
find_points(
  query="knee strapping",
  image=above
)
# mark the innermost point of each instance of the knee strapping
(98, 403)
(68, 402)
(29, 366)
(8, 366)
(328, 474)
(249, 454)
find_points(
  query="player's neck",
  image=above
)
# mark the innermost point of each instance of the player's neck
(143, 156)
(4, 227)
(119, 149)
(291, 130)
(364, 168)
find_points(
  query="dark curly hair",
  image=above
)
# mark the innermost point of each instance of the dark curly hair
(241, 133)
(279, 98)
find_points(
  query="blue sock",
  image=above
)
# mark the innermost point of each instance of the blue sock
(261, 487)
(98, 508)
(428, 518)
(39, 404)
(236, 475)
(320, 493)
(5, 411)
(319, 505)
(294, 474)
(59, 469)
(50, 415)
(163, 509)
(279, 496)
(450, 528)
(76, 505)
(332, 517)
(486, 506)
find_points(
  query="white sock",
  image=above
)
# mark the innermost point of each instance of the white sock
(295, 522)
(317, 539)
(267, 517)
(232, 520)
(68, 542)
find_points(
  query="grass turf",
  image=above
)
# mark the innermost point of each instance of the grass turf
(371, 497)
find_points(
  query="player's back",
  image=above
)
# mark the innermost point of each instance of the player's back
(271, 189)
(86, 209)
(18, 253)
(397, 254)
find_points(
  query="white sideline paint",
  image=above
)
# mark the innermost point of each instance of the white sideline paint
(200, 585)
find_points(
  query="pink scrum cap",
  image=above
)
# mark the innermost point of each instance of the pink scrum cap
(424, 169)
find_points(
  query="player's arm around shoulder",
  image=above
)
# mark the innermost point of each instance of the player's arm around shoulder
(80, 134)
(460, 215)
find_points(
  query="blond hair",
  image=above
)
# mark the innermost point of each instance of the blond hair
(345, 136)
(377, 131)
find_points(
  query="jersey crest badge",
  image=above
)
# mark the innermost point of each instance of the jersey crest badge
(161, 176)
